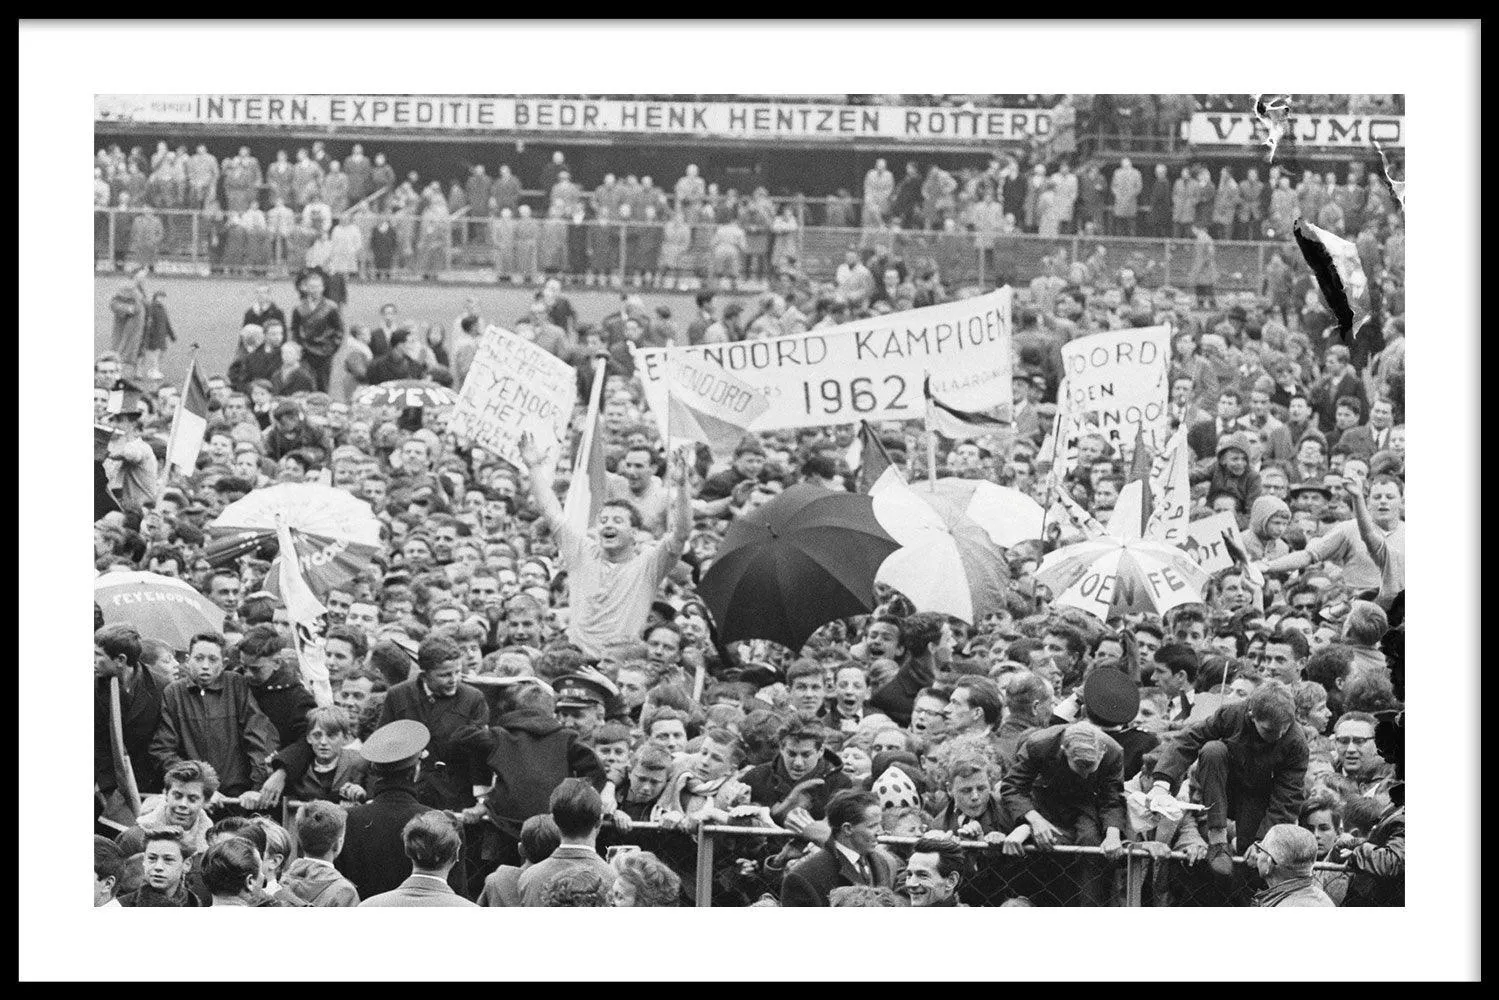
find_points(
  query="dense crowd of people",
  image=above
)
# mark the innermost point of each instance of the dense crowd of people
(517, 715)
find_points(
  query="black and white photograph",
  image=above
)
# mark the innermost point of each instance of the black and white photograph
(756, 500)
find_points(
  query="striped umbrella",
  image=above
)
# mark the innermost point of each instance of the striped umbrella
(308, 507)
(948, 561)
(1107, 575)
(405, 394)
(161, 607)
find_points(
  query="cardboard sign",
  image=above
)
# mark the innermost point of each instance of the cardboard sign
(512, 387)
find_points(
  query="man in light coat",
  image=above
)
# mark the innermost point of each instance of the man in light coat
(432, 841)
(1126, 187)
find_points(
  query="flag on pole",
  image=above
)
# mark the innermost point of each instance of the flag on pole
(1340, 276)
(305, 614)
(189, 423)
(952, 422)
(1139, 472)
(589, 485)
(1171, 492)
(870, 461)
(707, 403)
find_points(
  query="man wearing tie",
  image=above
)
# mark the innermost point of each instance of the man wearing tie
(849, 857)
(1382, 424)
(1203, 437)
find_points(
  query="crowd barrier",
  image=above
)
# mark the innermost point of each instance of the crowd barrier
(640, 255)
(740, 865)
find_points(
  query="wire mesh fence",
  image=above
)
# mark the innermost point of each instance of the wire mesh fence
(621, 254)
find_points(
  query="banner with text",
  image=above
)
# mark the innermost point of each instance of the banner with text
(514, 386)
(710, 119)
(868, 370)
(1117, 383)
(1209, 128)
(1208, 541)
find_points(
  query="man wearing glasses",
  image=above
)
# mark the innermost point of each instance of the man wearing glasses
(1359, 759)
(1284, 858)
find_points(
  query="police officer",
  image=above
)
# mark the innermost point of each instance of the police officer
(581, 699)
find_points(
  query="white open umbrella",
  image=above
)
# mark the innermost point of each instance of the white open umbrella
(1108, 575)
(308, 507)
(948, 561)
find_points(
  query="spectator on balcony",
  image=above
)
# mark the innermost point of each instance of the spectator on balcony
(382, 178)
(690, 190)
(146, 237)
(676, 241)
(1251, 211)
(938, 197)
(566, 193)
(1049, 210)
(1160, 214)
(1225, 205)
(1125, 186)
(1310, 195)
(202, 176)
(879, 187)
(306, 178)
(757, 216)
(1093, 196)
(1203, 276)
(280, 179)
(1206, 196)
(432, 255)
(502, 238)
(729, 246)
(527, 233)
(1184, 195)
(1067, 189)
(552, 241)
(335, 188)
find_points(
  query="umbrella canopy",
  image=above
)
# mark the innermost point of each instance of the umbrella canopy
(406, 393)
(947, 561)
(1115, 575)
(308, 507)
(804, 559)
(161, 607)
(1008, 516)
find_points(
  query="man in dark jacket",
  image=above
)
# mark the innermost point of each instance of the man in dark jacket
(277, 689)
(290, 431)
(316, 324)
(398, 362)
(117, 654)
(800, 775)
(850, 857)
(925, 642)
(528, 753)
(210, 715)
(374, 853)
(1251, 765)
(440, 701)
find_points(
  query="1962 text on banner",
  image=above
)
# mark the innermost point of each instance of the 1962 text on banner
(868, 370)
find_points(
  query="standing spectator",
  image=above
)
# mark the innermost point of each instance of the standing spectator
(431, 841)
(444, 705)
(313, 877)
(1162, 203)
(690, 190)
(360, 171)
(146, 237)
(527, 232)
(382, 179)
(849, 857)
(578, 811)
(384, 245)
(730, 244)
(316, 325)
(346, 246)
(1093, 194)
(879, 187)
(1225, 205)
(335, 188)
(117, 654)
(280, 178)
(1203, 276)
(210, 715)
(306, 178)
(129, 306)
(1066, 183)
(1125, 186)
(506, 190)
(349, 367)
(1251, 213)
(1184, 196)
(1284, 204)
(131, 463)
(202, 176)
(157, 335)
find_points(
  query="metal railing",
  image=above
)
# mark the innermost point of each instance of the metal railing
(741, 865)
(638, 254)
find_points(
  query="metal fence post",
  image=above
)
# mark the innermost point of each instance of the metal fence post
(623, 245)
(703, 890)
(194, 228)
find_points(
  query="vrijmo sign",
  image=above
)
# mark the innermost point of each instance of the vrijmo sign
(1243, 129)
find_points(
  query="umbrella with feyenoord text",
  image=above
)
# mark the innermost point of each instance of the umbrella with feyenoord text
(804, 559)
(406, 394)
(1107, 576)
(160, 607)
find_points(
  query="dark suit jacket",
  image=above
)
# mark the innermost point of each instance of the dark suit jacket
(374, 856)
(1042, 780)
(444, 784)
(140, 713)
(810, 881)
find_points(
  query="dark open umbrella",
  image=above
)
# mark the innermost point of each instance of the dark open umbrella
(804, 559)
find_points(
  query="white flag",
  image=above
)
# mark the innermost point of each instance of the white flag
(305, 613)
